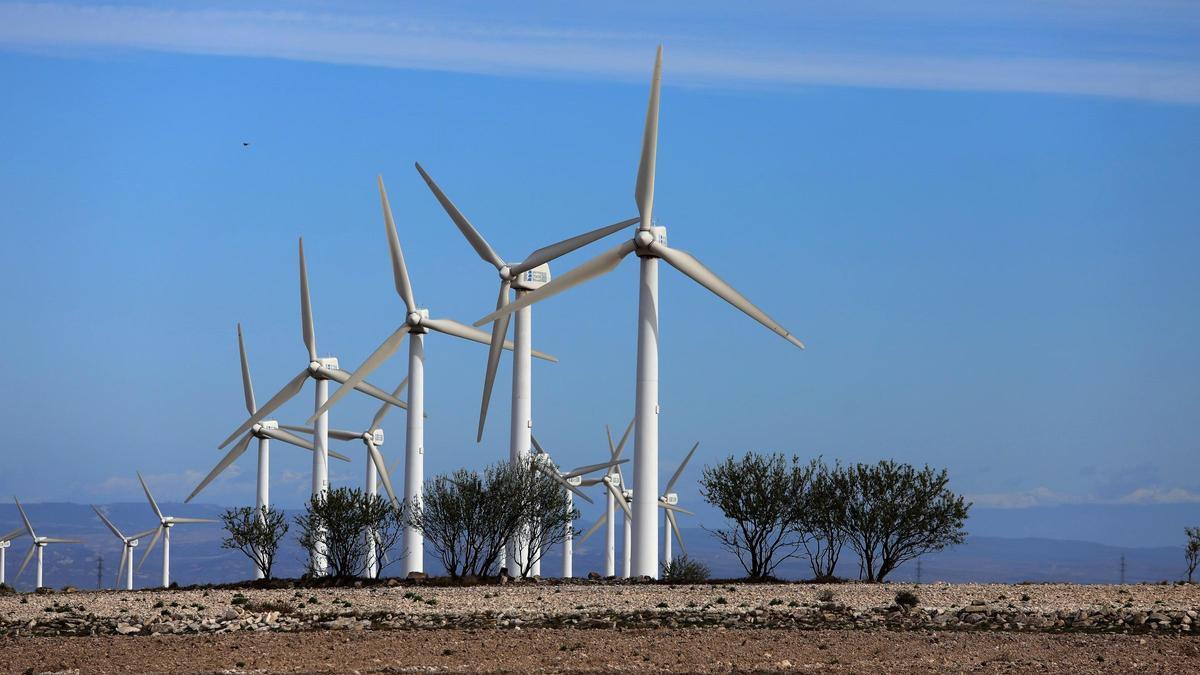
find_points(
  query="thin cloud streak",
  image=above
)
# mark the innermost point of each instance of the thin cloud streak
(386, 41)
(1043, 496)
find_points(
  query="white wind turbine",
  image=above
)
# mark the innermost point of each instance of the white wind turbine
(264, 430)
(163, 531)
(649, 244)
(377, 470)
(612, 481)
(127, 546)
(5, 542)
(321, 371)
(571, 480)
(38, 544)
(522, 277)
(417, 322)
(671, 499)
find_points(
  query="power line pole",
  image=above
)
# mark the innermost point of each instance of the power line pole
(99, 571)
(1122, 569)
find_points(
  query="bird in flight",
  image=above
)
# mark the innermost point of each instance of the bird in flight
(245, 144)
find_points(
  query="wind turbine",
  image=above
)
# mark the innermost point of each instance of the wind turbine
(127, 546)
(163, 531)
(264, 430)
(530, 274)
(38, 544)
(571, 480)
(5, 542)
(649, 243)
(377, 470)
(321, 371)
(612, 481)
(417, 322)
(671, 499)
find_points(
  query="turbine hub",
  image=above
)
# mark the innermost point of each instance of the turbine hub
(256, 428)
(414, 318)
(313, 366)
(644, 238)
(505, 273)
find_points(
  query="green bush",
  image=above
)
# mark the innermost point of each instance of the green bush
(684, 570)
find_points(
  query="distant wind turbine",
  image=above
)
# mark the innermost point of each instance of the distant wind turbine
(37, 545)
(163, 531)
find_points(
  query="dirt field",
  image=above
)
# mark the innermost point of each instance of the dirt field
(608, 650)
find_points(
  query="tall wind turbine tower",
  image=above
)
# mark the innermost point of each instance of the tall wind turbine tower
(650, 245)
(418, 323)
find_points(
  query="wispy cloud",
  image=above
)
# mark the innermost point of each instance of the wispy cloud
(1043, 496)
(700, 52)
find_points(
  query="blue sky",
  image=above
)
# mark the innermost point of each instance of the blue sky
(981, 219)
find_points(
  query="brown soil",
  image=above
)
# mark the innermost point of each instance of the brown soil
(577, 650)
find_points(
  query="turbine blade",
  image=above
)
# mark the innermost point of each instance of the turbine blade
(289, 390)
(25, 519)
(19, 532)
(624, 438)
(495, 345)
(193, 520)
(228, 459)
(679, 471)
(644, 191)
(153, 542)
(383, 409)
(247, 386)
(686, 263)
(58, 540)
(337, 455)
(381, 470)
(678, 533)
(399, 269)
(667, 507)
(341, 376)
(452, 327)
(562, 481)
(537, 445)
(306, 317)
(593, 529)
(547, 253)
(287, 437)
(376, 359)
(468, 230)
(299, 429)
(600, 265)
(592, 467)
(121, 568)
(339, 434)
(147, 533)
(108, 522)
(153, 504)
(25, 562)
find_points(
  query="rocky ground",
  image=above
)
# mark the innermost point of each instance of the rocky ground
(708, 626)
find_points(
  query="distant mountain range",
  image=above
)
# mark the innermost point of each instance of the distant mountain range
(196, 555)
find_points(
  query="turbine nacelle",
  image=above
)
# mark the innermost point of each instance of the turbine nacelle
(374, 436)
(627, 494)
(670, 498)
(532, 279)
(575, 480)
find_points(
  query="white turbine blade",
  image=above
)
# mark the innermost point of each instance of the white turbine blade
(299, 429)
(153, 542)
(592, 467)
(153, 504)
(675, 528)
(381, 470)
(679, 471)
(19, 532)
(452, 327)
(644, 191)
(537, 445)
(25, 562)
(495, 346)
(121, 568)
(247, 386)
(547, 253)
(57, 540)
(289, 390)
(109, 523)
(593, 529)
(341, 376)
(147, 533)
(619, 497)
(376, 359)
(337, 455)
(228, 459)
(287, 437)
(468, 230)
(399, 269)
(668, 507)
(624, 438)
(686, 263)
(25, 519)
(339, 434)
(306, 317)
(555, 475)
(193, 520)
(383, 409)
(600, 265)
